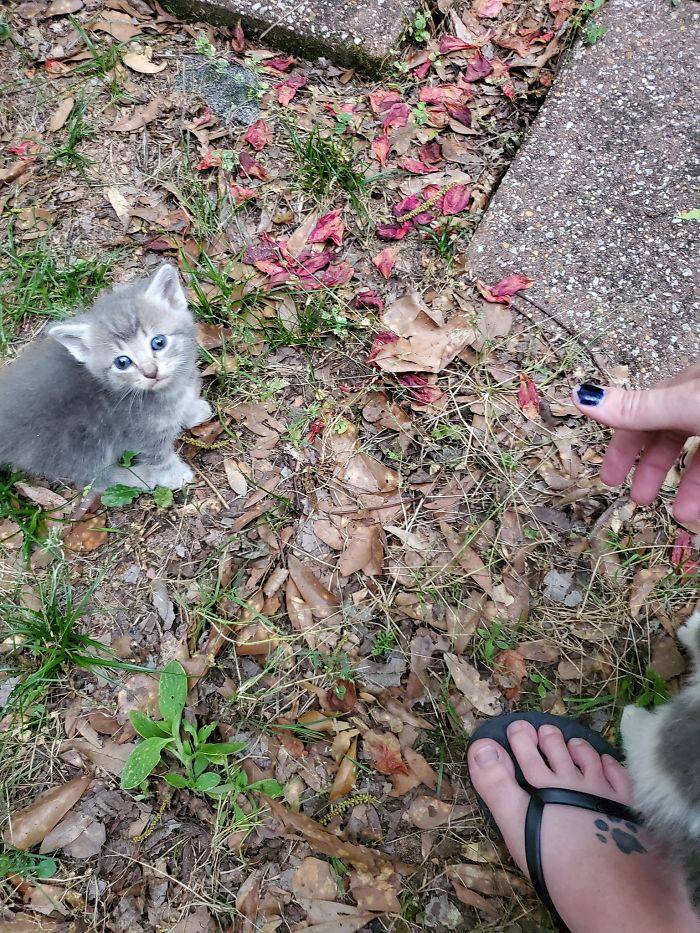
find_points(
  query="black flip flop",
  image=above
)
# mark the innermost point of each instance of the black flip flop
(495, 729)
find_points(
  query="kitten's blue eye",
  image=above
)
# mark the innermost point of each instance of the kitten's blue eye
(122, 362)
(158, 342)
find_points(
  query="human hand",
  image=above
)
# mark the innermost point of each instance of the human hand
(652, 424)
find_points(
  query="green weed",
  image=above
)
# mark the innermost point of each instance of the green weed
(25, 865)
(77, 130)
(324, 163)
(38, 281)
(490, 639)
(179, 738)
(383, 643)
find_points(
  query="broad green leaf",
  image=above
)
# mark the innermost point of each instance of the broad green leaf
(177, 780)
(206, 731)
(172, 691)
(119, 494)
(189, 728)
(147, 728)
(201, 763)
(142, 761)
(46, 868)
(690, 215)
(207, 781)
(270, 787)
(127, 458)
(163, 497)
(220, 748)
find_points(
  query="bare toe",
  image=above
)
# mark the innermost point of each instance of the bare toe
(551, 742)
(493, 775)
(618, 778)
(586, 759)
(523, 742)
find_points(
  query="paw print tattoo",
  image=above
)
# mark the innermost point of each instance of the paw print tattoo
(625, 839)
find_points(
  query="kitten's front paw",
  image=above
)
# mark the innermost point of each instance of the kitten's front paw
(176, 476)
(689, 634)
(633, 721)
(200, 412)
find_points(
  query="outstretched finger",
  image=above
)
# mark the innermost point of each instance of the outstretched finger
(671, 408)
(686, 508)
(657, 459)
(623, 450)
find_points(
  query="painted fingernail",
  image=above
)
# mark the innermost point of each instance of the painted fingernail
(487, 755)
(590, 394)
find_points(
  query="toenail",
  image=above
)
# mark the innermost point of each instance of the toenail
(548, 730)
(577, 743)
(487, 755)
(516, 726)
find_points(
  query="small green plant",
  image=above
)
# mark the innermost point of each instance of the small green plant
(693, 214)
(419, 29)
(190, 746)
(420, 113)
(336, 665)
(51, 641)
(119, 494)
(28, 516)
(25, 865)
(492, 638)
(325, 163)
(77, 130)
(105, 59)
(446, 432)
(207, 49)
(543, 684)
(383, 643)
(593, 33)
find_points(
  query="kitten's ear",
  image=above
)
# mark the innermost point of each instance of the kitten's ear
(75, 337)
(164, 288)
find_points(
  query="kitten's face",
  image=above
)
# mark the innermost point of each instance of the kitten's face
(136, 338)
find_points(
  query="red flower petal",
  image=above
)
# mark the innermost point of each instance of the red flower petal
(251, 167)
(368, 299)
(238, 39)
(502, 291)
(337, 274)
(431, 153)
(455, 200)
(329, 227)
(385, 261)
(19, 149)
(280, 62)
(208, 160)
(528, 397)
(449, 44)
(258, 135)
(459, 112)
(241, 194)
(380, 148)
(397, 115)
(316, 427)
(682, 548)
(203, 118)
(381, 100)
(414, 166)
(383, 339)
(286, 91)
(422, 70)
(477, 68)
(395, 231)
(421, 389)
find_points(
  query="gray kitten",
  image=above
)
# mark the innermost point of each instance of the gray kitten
(663, 754)
(121, 376)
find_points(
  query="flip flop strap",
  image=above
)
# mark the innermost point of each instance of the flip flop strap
(540, 796)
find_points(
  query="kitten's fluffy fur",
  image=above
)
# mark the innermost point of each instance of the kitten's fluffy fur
(67, 412)
(663, 755)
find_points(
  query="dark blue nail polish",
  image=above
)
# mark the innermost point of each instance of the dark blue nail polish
(589, 394)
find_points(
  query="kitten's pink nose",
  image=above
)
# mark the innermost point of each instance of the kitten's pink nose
(150, 370)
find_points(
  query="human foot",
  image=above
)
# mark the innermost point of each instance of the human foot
(602, 873)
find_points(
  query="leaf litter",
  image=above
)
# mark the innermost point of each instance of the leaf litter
(396, 529)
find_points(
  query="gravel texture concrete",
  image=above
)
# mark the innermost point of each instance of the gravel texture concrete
(356, 33)
(231, 94)
(589, 207)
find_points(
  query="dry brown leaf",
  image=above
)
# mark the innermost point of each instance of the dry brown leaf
(78, 834)
(31, 824)
(469, 682)
(467, 558)
(320, 840)
(509, 672)
(346, 776)
(322, 603)
(143, 64)
(327, 532)
(117, 25)
(643, 582)
(139, 118)
(248, 903)
(119, 203)
(333, 917)
(297, 240)
(490, 881)
(471, 898)
(385, 751)
(62, 8)
(376, 892)
(60, 114)
(314, 879)
(236, 479)
(364, 551)
(541, 649)
(86, 536)
(42, 496)
(428, 813)
(10, 534)
(109, 756)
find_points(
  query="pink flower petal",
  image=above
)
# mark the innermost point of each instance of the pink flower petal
(251, 167)
(478, 67)
(258, 135)
(380, 148)
(368, 299)
(455, 200)
(502, 291)
(385, 261)
(395, 231)
(329, 227)
(383, 339)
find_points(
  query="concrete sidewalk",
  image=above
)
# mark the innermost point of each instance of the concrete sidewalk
(589, 207)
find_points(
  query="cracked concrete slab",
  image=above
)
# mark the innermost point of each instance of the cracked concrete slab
(590, 207)
(355, 33)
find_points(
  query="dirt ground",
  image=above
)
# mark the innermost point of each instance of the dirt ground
(396, 527)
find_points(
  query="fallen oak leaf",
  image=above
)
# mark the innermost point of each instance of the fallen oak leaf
(140, 117)
(143, 64)
(31, 824)
(469, 682)
(314, 879)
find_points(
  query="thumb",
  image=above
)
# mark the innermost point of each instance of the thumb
(670, 408)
